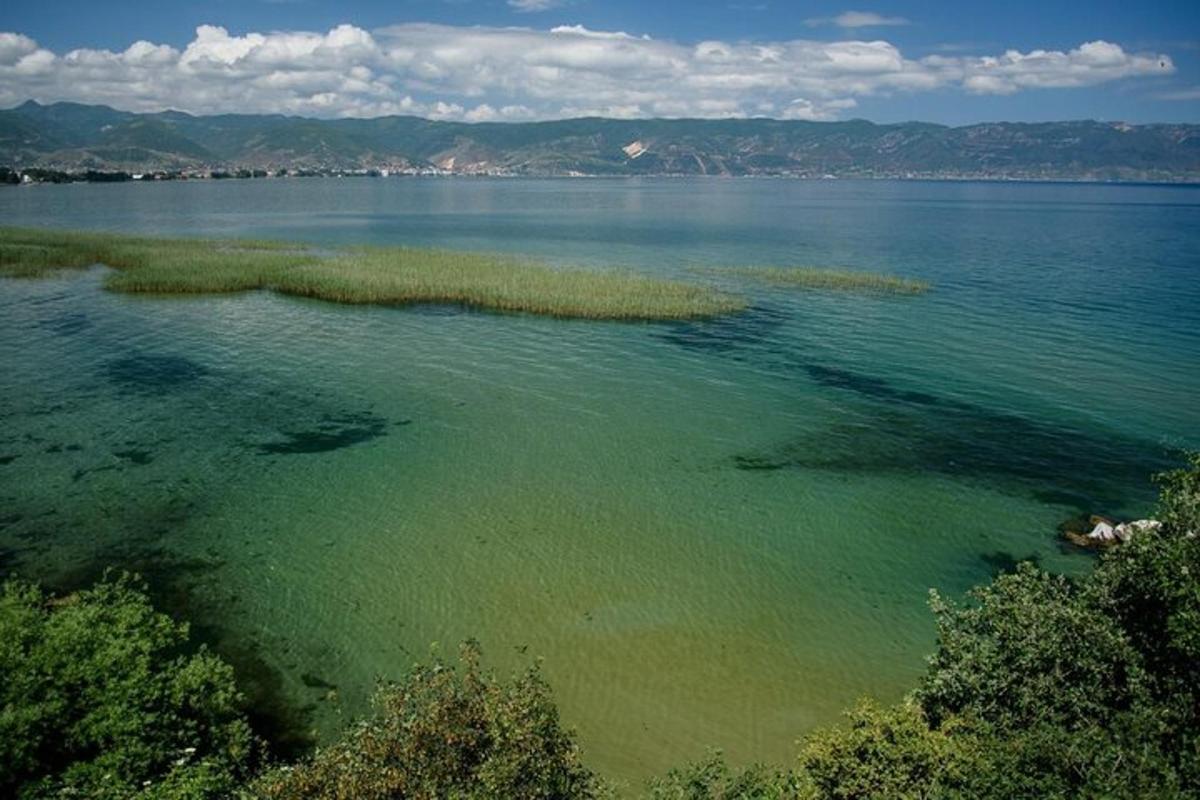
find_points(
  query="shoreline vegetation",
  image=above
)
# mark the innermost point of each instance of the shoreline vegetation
(844, 280)
(399, 276)
(1040, 686)
(360, 275)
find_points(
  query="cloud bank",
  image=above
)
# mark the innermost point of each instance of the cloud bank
(483, 73)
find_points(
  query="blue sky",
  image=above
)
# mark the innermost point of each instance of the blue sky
(884, 61)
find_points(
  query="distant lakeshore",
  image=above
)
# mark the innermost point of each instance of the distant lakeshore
(64, 141)
(37, 175)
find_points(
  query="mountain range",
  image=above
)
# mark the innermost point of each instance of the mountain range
(72, 136)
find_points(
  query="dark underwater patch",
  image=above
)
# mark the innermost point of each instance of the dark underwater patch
(754, 326)
(915, 432)
(868, 385)
(762, 463)
(316, 682)
(66, 324)
(169, 576)
(134, 456)
(1002, 561)
(332, 432)
(153, 373)
(8, 459)
(8, 560)
(48, 299)
(81, 472)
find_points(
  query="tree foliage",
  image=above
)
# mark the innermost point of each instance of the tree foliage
(714, 779)
(98, 700)
(1179, 497)
(884, 753)
(446, 733)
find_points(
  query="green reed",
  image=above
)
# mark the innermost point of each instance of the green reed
(376, 275)
(822, 278)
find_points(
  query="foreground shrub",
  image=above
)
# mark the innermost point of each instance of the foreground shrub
(714, 779)
(96, 700)
(883, 753)
(1179, 497)
(1082, 688)
(445, 732)
(1029, 650)
(1150, 587)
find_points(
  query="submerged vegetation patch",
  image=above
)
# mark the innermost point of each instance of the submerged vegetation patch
(332, 432)
(754, 326)
(900, 430)
(843, 280)
(66, 324)
(153, 373)
(375, 275)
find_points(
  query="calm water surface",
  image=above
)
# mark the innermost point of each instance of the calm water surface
(715, 534)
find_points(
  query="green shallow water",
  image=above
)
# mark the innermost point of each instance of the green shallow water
(715, 534)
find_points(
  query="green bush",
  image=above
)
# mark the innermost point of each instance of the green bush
(97, 700)
(1029, 650)
(446, 733)
(1179, 497)
(1150, 587)
(883, 753)
(713, 779)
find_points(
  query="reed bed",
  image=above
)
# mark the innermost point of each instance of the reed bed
(408, 275)
(843, 280)
(375, 275)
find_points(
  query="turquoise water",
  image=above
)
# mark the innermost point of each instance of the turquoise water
(714, 534)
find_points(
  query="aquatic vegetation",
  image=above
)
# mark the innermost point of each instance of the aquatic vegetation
(153, 373)
(896, 429)
(330, 433)
(756, 326)
(374, 275)
(401, 275)
(842, 280)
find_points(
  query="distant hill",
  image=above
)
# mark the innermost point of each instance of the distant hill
(72, 136)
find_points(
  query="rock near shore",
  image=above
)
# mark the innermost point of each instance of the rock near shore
(1104, 532)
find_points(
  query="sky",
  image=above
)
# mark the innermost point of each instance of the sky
(497, 60)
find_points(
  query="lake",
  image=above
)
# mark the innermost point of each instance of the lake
(714, 534)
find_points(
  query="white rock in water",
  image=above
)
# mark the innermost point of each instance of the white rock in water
(1103, 532)
(1127, 529)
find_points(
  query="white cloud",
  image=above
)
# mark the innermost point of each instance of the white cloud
(14, 47)
(857, 19)
(483, 73)
(1180, 94)
(527, 6)
(1089, 64)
